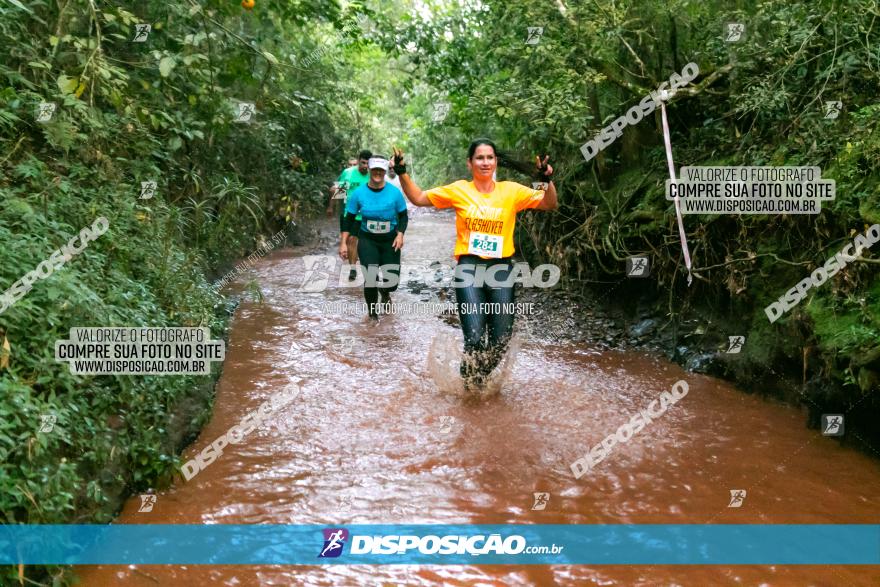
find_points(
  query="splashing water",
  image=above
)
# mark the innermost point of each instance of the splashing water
(444, 363)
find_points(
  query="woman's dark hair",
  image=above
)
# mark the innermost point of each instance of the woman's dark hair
(505, 159)
(476, 143)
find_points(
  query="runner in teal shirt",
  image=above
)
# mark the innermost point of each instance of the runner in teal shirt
(349, 180)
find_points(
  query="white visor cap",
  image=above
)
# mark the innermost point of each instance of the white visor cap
(378, 163)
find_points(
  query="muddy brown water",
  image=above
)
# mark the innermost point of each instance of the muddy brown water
(379, 435)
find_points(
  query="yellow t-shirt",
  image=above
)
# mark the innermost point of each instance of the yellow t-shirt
(484, 222)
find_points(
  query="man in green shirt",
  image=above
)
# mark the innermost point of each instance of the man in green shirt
(349, 180)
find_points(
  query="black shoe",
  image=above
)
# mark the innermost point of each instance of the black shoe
(352, 275)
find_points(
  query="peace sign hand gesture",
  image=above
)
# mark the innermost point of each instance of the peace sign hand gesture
(398, 162)
(545, 170)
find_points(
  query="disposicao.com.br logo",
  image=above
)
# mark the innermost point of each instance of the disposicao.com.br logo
(430, 544)
(334, 542)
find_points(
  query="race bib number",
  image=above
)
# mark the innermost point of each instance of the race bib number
(485, 245)
(341, 192)
(378, 226)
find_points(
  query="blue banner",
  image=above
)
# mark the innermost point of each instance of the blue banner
(636, 544)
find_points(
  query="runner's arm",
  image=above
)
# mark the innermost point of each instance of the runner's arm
(333, 190)
(343, 246)
(413, 192)
(402, 221)
(348, 222)
(549, 202)
(337, 187)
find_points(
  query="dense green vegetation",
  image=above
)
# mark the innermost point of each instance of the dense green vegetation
(760, 101)
(325, 83)
(161, 110)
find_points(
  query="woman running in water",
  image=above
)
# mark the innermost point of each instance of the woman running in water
(378, 210)
(485, 215)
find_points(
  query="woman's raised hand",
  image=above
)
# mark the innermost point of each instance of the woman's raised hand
(398, 162)
(544, 168)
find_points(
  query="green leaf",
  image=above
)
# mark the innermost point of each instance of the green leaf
(67, 85)
(271, 58)
(20, 5)
(166, 65)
